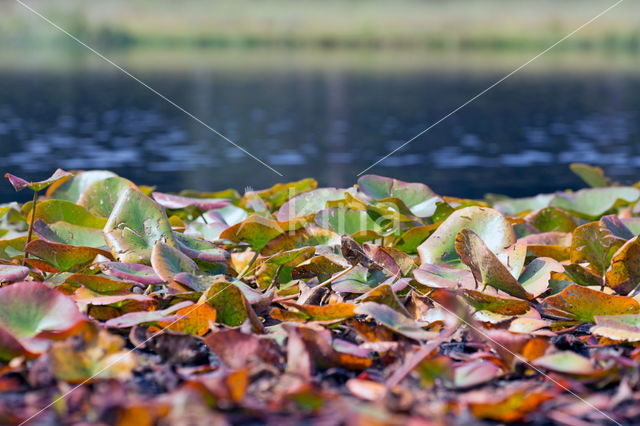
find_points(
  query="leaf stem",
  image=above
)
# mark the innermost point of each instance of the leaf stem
(31, 222)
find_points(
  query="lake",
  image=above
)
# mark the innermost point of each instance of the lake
(323, 114)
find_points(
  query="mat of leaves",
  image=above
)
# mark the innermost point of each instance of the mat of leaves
(382, 303)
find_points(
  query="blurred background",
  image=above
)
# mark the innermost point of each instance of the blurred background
(322, 89)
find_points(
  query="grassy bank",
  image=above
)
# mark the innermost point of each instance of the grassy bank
(451, 24)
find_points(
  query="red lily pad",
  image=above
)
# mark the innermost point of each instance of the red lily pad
(31, 309)
(19, 184)
(142, 274)
(169, 201)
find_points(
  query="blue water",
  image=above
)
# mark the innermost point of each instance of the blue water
(325, 119)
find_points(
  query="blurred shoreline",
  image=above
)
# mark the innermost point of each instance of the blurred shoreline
(465, 25)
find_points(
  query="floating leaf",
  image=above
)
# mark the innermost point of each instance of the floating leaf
(593, 203)
(295, 312)
(135, 318)
(618, 327)
(66, 233)
(194, 319)
(393, 320)
(19, 184)
(64, 257)
(96, 355)
(309, 203)
(13, 273)
(594, 244)
(51, 211)
(178, 202)
(485, 266)
(535, 278)
(474, 373)
(490, 225)
(584, 303)
(256, 231)
(99, 283)
(417, 196)
(168, 261)
(136, 224)
(623, 275)
(516, 206)
(499, 305)
(278, 194)
(551, 219)
(132, 271)
(593, 176)
(71, 189)
(30, 309)
(358, 223)
(230, 304)
(566, 362)
(101, 196)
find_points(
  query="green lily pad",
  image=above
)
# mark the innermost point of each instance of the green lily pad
(51, 211)
(135, 226)
(31, 309)
(66, 233)
(64, 257)
(310, 236)
(592, 176)
(594, 244)
(592, 203)
(309, 203)
(515, 206)
(168, 261)
(280, 193)
(358, 223)
(551, 219)
(72, 189)
(489, 224)
(255, 230)
(420, 199)
(230, 304)
(101, 196)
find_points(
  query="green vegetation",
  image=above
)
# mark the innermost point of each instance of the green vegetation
(310, 304)
(451, 24)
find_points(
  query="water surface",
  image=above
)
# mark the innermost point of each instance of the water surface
(324, 114)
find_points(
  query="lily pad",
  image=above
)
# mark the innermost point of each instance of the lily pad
(31, 309)
(64, 257)
(13, 273)
(594, 244)
(583, 303)
(393, 320)
(309, 203)
(51, 211)
(623, 275)
(566, 362)
(101, 196)
(485, 266)
(168, 261)
(255, 230)
(71, 189)
(594, 202)
(489, 224)
(131, 271)
(135, 226)
(169, 201)
(420, 199)
(19, 184)
(618, 327)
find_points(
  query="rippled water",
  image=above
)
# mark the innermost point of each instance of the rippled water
(322, 115)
